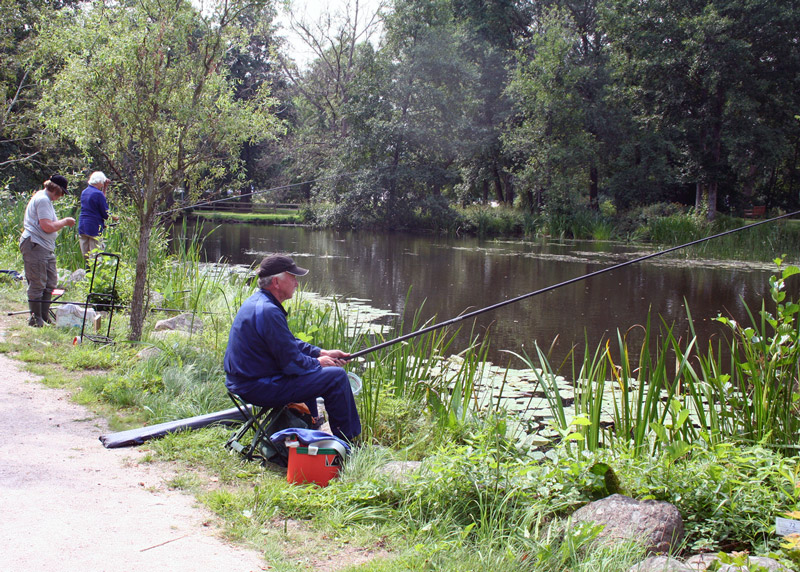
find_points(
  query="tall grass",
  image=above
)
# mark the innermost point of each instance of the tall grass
(758, 243)
(421, 369)
(676, 395)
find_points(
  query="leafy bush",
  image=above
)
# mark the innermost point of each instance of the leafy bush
(728, 496)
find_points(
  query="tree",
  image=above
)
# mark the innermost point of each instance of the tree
(148, 91)
(558, 88)
(491, 31)
(25, 154)
(324, 87)
(255, 66)
(717, 78)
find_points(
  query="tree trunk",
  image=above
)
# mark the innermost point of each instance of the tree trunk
(498, 190)
(712, 200)
(716, 153)
(698, 196)
(593, 186)
(138, 299)
(508, 183)
(530, 199)
(749, 184)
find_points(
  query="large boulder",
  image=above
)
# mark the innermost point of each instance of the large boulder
(186, 322)
(656, 525)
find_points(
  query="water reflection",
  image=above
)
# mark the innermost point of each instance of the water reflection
(447, 277)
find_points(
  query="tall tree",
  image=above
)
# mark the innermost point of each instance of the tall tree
(26, 154)
(255, 66)
(716, 77)
(148, 90)
(323, 85)
(491, 31)
(558, 87)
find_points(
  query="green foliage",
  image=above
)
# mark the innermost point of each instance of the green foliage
(766, 370)
(692, 72)
(728, 495)
(496, 221)
(154, 100)
(790, 549)
(418, 370)
(666, 401)
(273, 218)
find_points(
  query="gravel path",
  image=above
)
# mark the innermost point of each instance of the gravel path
(69, 504)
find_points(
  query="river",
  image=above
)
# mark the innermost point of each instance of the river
(448, 276)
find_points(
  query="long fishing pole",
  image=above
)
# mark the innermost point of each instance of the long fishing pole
(278, 188)
(559, 285)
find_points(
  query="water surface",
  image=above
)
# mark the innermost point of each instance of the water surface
(447, 277)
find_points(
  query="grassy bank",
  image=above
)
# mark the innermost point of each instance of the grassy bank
(716, 439)
(479, 500)
(282, 216)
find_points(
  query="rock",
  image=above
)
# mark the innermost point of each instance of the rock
(149, 352)
(186, 322)
(701, 562)
(156, 299)
(399, 470)
(655, 524)
(661, 564)
(77, 276)
(71, 316)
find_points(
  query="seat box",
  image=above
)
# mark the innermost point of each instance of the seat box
(312, 465)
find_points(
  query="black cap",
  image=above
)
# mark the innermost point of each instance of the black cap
(60, 181)
(277, 263)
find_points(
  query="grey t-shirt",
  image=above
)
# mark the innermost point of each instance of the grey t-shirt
(40, 206)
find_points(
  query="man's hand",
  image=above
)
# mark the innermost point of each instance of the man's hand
(333, 358)
(49, 225)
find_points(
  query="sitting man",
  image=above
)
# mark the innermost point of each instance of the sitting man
(266, 365)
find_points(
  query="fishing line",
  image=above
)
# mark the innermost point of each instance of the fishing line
(281, 187)
(560, 284)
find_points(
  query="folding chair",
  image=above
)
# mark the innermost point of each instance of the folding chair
(263, 422)
(258, 420)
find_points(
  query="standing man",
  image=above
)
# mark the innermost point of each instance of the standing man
(94, 213)
(38, 246)
(267, 365)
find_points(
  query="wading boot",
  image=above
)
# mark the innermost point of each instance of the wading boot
(45, 313)
(35, 320)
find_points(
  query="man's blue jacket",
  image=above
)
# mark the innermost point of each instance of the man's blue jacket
(94, 211)
(261, 345)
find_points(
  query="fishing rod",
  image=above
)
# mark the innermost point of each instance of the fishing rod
(278, 188)
(559, 285)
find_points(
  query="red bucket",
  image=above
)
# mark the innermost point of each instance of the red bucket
(312, 465)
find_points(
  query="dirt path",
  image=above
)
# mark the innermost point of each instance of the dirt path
(69, 504)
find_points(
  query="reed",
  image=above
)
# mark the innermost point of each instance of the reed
(758, 243)
(421, 370)
(675, 396)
